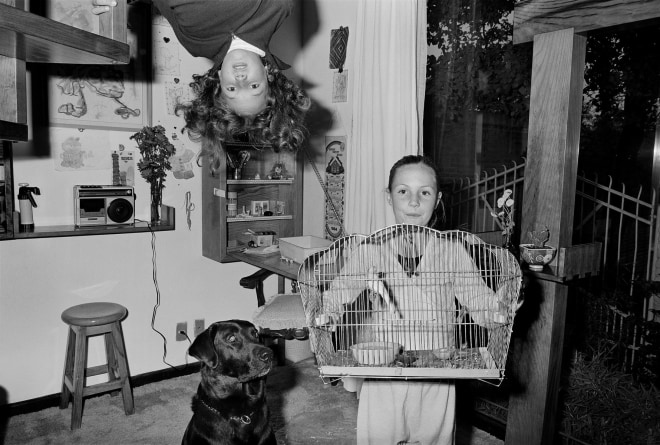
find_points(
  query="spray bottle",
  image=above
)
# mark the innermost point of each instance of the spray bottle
(26, 202)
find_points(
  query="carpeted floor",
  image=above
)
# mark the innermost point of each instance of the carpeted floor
(304, 410)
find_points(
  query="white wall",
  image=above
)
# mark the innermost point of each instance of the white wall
(322, 16)
(39, 278)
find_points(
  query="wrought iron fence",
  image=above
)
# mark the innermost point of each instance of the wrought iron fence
(622, 220)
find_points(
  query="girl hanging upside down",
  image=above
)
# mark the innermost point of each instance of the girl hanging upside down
(244, 96)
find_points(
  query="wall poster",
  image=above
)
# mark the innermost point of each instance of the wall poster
(334, 180)
(101, 96)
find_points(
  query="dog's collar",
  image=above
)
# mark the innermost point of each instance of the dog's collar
(245, 419)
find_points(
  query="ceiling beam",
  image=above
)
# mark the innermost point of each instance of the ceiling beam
(532, 17)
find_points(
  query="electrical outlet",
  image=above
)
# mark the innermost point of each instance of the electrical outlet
(181, 327)
(199, 326)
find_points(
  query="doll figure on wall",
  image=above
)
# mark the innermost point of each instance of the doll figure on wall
(278, 171)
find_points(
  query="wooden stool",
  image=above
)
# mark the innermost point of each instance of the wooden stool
(88, 320)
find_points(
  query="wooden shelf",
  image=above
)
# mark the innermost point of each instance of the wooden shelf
(258, 218)
(167, 223)
(259, 181)
(13, 131)
(571, 263)
(32, 38)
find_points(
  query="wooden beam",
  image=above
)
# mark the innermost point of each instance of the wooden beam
(13, 91)
(548, 200)
(41, 40)
(532, 17)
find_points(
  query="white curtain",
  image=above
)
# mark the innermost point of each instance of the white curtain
(387, 92)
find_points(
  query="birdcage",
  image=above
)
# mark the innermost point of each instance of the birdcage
(411, 302)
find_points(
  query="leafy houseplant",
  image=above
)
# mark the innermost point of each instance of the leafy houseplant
(155, 150)
(539, 237)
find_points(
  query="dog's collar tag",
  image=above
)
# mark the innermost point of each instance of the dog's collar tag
(245, 419)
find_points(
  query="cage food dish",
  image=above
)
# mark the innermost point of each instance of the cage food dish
(375, 352)
(447, 298)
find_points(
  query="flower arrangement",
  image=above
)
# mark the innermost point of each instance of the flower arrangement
(504, 215)
(156, 150)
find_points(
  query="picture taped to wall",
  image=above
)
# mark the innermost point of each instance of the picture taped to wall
(101, 96)
(335, 147)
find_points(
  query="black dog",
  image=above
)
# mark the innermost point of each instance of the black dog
(230, 404)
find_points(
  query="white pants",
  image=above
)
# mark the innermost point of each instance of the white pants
(393, 411)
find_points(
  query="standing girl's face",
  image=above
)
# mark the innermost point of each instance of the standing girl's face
(414, 194)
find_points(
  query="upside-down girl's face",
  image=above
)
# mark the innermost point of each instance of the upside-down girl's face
(244, 82)
(414, 194)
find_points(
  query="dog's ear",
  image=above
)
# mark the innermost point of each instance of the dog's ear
(203, 348)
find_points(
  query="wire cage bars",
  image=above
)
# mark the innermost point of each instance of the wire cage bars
(411, 302)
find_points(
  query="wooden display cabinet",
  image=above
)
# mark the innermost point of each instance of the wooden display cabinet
(6, 191)
(258, 182)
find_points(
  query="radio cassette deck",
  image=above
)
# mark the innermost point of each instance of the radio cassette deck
(103, 205)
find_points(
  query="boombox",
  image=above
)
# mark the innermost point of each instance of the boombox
(103, 205)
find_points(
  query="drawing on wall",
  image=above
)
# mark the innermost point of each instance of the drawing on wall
(176, 92)
(182, 167)
(166, 52)
(334, 180)
(76, 13)
(123, 167)
(340, 86)
(75, 150)
(100, 96)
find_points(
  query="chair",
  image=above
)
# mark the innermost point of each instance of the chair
(282, 317)
(89, 320)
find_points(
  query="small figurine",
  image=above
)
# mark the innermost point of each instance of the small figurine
(278, 171)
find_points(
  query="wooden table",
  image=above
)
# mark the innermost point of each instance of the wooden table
(268, 265)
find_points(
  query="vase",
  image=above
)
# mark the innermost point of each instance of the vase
(508, 245)
(156, 199)
(537, 257)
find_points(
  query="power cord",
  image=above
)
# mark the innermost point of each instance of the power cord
(157, 305)
(185, 334)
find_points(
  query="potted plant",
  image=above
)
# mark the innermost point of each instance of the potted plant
(155, 150)
(536, 253)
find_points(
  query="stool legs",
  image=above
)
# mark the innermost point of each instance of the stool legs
(78, 379)
(76, 371)
(68, 368)
(122, 364)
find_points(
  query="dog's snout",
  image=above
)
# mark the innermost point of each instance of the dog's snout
(266, 355)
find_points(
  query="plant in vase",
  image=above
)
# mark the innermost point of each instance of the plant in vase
(155, 150)
(536, 253)
(504, 216)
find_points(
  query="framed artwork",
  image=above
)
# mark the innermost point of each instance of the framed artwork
(101, 96)
(259, 207)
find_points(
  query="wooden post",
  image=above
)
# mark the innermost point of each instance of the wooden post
(549, 197)
(13, 92)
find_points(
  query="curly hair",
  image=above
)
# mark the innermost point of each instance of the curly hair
(209, 119)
